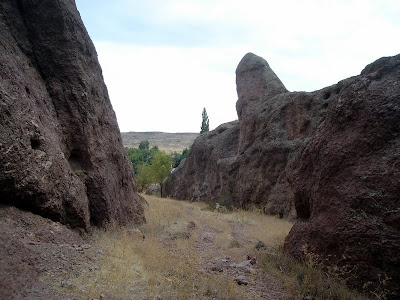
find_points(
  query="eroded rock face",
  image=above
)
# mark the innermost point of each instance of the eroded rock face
(209, 168)
(61, 154)
(252, 161)
(333, 153)
(347, 193)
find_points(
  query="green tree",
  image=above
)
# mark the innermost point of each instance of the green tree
(144, 145)
(137, 157)
(152, 153)
(161, 166)
(156, 171)
(144, 176)
(141, 155)
(177, 158)
(144, 148)
(185, 153)
(205, 124)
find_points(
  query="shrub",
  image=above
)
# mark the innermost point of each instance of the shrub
(155, 172)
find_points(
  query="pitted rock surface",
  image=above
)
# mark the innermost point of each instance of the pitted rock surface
(331, 157)
(347, 193)
(61, 154)
(253, 160)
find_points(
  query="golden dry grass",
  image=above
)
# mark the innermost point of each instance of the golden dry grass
(169, 262)
(311, 279)
(166, 264)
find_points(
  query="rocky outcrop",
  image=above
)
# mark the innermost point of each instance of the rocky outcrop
(61, 154)
(332, 154)
(253, 160)
(347, 193)
(208, 168)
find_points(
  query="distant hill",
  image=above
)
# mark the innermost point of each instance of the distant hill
(168, 142)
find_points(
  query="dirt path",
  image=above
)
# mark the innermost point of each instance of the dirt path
(213, 257)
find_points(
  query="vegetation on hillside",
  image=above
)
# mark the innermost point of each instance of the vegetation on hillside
(152, 165)
(168, 142)
(141, 155)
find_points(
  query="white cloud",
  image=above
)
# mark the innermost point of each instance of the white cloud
(165, 89)
(309, 44)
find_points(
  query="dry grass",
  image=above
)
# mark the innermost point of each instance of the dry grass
(168, 264)
(238, 231)
(312, 279)
(165, 265)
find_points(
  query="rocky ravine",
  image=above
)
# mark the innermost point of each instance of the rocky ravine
(331, 157)
(61, 154)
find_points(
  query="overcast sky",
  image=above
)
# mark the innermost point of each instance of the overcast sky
(164, 60)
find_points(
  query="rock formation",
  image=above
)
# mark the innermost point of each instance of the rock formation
(347, 192)
(61, 154)
(333, 154)
(253, 160)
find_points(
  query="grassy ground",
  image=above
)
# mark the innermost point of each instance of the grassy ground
(184, 240)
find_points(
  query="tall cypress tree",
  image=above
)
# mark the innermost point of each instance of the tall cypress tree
(205, 124)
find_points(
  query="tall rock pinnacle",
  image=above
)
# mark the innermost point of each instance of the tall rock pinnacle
(255, 81)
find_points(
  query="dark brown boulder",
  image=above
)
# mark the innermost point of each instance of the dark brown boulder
(61, 154)
(253, 160)
(347, 193)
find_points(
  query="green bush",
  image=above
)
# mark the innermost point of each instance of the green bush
(155, 171)
(177, 158)
(141, 155)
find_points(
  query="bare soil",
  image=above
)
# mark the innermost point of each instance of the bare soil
(260, 284)
(38, 257)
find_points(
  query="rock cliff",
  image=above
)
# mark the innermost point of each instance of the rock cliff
(347, 192)
(253, 160)
(61, 154)
(332, 154)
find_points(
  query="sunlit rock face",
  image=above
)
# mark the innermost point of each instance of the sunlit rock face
(61, 154)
